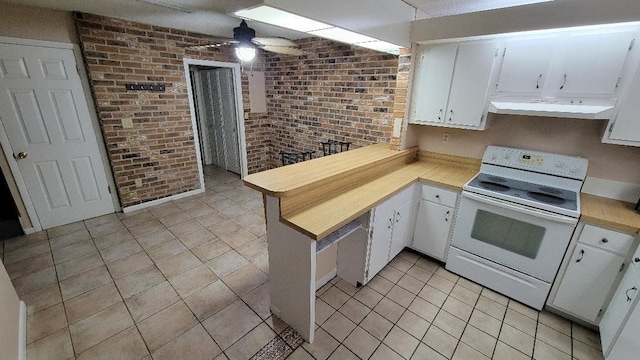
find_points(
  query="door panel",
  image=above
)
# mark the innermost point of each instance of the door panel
(526, 65)
(45, 115)
(431, 83)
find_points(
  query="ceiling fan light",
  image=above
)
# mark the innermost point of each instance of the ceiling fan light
(245, 53)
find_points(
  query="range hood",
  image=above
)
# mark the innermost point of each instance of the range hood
(572, 109)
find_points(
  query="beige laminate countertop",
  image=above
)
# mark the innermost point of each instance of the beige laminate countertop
(609, 212)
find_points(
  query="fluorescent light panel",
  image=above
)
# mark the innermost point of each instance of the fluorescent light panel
(273, 16)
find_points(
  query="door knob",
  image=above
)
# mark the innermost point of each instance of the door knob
(21, 155)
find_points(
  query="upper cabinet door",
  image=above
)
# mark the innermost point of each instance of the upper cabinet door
(431, 82)
(526, 64)
(470, 83)
(592, 63)
(625, 127)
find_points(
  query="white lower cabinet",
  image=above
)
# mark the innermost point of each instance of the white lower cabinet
(434, 220)
(586, 278)
(390, 226)
(620, 324)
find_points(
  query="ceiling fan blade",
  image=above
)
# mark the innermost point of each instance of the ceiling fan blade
(217, 43)
(273, 41)
(283, 50)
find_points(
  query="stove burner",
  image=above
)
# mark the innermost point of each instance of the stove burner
(549, 190)
(496, 179)
(493, 186)
(546, 198)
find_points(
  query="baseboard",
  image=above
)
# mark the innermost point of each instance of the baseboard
(22, 337)
(28, 231)
(325, 279)
(147, 204)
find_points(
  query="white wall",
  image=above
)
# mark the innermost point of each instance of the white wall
(9, 317)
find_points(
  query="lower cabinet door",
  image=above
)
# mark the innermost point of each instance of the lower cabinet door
(380, 241)
(401, 225)
(587, 281)
(626, 345)
(432, 229)
(621, 304)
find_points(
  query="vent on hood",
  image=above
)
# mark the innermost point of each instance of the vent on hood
(569, 109)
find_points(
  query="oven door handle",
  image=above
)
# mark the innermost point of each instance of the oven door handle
(527, 211)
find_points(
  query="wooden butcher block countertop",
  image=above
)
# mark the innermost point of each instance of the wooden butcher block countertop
(609, 212)
(319, 196)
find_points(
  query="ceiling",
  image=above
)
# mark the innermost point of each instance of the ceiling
(387, 20)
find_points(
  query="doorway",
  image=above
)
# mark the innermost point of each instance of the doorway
(217, 111)
(9, 218)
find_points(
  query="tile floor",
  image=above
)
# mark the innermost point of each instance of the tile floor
(189, 280)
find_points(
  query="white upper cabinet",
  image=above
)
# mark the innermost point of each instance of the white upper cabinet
(591, 64)
(431, 86)
(525, 67)
(624, 127)
(451, 84)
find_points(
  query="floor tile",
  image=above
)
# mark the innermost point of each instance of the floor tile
(69, 239)
(139, 281)
(368, 297)
(155, 238)
(26, 252)
(73, 251)
(185, 228)
(411, 284)
(192, 280)
(520, 322)
(66, 229)
(84, 282)
(390, 273)
(253, 249)
(195, 344)
(586, 336)
(424, 309)
(470, 285)
(146, 227)
(338, 326)
(554, 338)
(479, 340)
(226, 263)
(211, 219)
(231, 323)
(323, 345)
(376, 325)
(361, 343)
(440, 341)
(400, 296)
(544, 351)
(354, 310)
(91, 302)
(433, 295)
(101, 220)
(196, 238)
(335, 297)
(465, 295)
(259, 300)
(106, 228)
(323, 311)
(93, 330)
(116, 238)
(45, 322)
(465, 352)
(486, 323)
(210, 299)
(441, 283)
(380, 284)
(237, 238)
(174, 219)
(300, 354)
(420, 273)
(517, 339)
(413, 324)
(491, 308)
(166, 249)
(29, 266)
(582, 351)
(555, 322)
(166, 325)
(56, 346)
(79, 265)
(492, 295)
(210, 250)
(346, 287)
(523, 309)
(128, 265)
(225, 227)
(245, 279)
(450, 324)
(42, 299)
(401, 264)
(151, 301)
(251, 343)
(127, 344)
(389, 309)
(177, 264)
(342, 353)
(120, 251)
(506, 352)
(423, 352)
(136, 218)
(25, 240)
(401, 342)
(34, 281)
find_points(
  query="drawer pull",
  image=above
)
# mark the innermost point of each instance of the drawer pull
(581, 256)
(637, 259)
(437, 196)
(605, 240)
(627, 293)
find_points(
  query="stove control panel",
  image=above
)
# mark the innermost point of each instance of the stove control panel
(554, 164)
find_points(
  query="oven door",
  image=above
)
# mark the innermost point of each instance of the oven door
(528, 240)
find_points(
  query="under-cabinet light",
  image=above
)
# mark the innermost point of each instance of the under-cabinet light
(277, 17)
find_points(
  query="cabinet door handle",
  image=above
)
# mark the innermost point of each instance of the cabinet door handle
(627, 293)
(390, 223)
(637, 259)
(564, 81)
(451, 116)
(604, 240)
(446, 216)
(398, 217)
(538, 81)
(581, 256)
(440, 114)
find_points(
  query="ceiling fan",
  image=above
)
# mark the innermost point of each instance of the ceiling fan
(245, 43)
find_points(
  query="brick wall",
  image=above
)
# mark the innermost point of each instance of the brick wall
(334, 92)
(401, 99)
(159, 149)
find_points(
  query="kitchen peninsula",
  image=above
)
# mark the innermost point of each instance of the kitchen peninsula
(319, 199)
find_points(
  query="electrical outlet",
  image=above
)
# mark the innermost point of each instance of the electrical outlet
(138, 182)
(127, 123)
(445, 138)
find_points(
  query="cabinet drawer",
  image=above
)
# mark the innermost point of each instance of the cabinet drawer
(439, 196)
(606, 239)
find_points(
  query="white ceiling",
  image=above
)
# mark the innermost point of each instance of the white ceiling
(439, 8)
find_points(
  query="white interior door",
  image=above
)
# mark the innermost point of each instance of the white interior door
(45, 116)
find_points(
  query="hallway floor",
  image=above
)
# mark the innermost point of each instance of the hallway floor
(189, 280)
